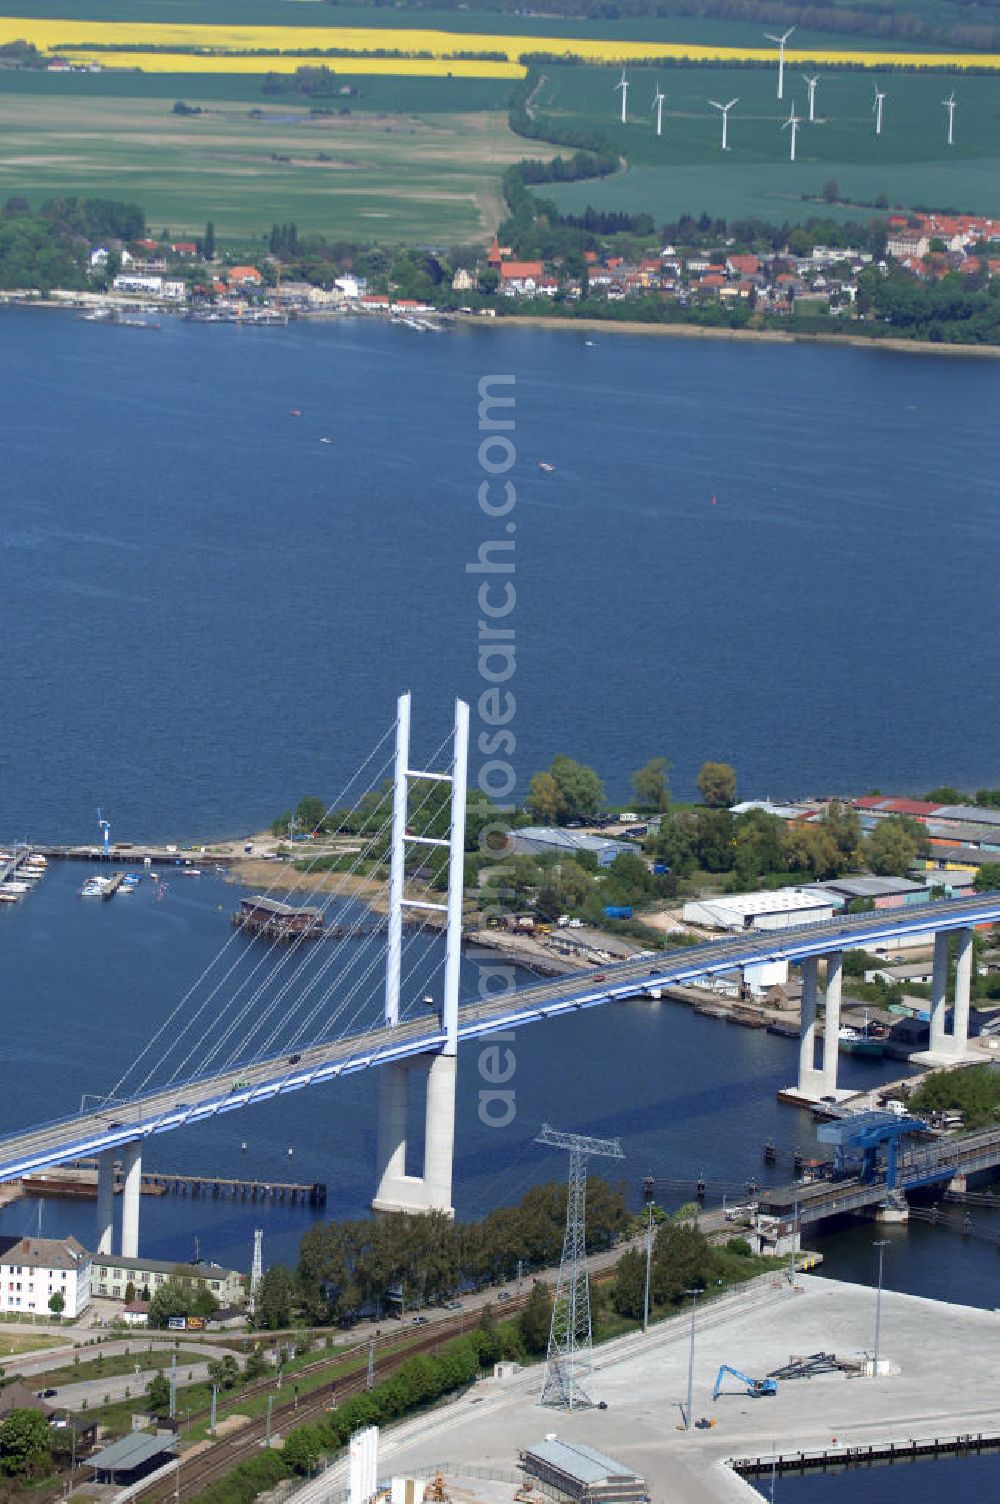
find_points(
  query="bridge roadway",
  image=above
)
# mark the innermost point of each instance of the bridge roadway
(160, 1111)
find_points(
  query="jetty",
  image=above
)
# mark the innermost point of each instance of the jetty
(79, 1181)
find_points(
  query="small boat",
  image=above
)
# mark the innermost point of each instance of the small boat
(868, 1040)
(326, 441)
(190, 872)
(296, 412)
(544, 465)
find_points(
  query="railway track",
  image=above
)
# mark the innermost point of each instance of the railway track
(219, 1459)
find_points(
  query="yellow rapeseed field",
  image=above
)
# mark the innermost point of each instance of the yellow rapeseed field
(187, 62)
(59, 35)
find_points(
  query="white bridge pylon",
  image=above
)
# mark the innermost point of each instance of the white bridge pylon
(431, 1191)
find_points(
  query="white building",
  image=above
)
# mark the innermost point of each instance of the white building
(135, 282)
(32, 1270)
(781, 910)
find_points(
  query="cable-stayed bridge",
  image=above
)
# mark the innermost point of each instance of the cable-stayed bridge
(265, 1020)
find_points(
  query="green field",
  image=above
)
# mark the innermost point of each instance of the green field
(686, 171)
(427, 179)
(639, 28)
(377, 93)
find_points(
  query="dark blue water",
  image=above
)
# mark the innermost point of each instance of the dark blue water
(924, 1482)
(208, 612)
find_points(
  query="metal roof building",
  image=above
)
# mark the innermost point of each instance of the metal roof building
(575, 1471)
(553, 840)
(780, 910)
(967, 814)
(133, 1456)
(884, 892)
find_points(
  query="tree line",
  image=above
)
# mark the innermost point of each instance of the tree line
(396, 1260)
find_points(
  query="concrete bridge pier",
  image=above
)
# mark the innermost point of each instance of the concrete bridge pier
(831, 1024)
(946, 1048)
(431, 1191)
(131, 1196)
(105, 1201)
(809, 1076)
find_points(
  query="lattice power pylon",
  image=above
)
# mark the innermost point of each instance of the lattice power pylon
(568, 1361)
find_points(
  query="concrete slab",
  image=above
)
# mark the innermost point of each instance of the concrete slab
(947, 1357)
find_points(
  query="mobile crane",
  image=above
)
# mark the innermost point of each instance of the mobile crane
(756, 1388)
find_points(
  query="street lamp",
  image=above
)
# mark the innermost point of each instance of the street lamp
(649, 1261)
(689, 1416)
(882, 1244)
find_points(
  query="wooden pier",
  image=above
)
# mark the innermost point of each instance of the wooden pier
(80, 1180)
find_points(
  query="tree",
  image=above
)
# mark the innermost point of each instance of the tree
(256, 1364)
(945, 794)
(843, 825)
(831, 190)
(893, 846)
(208, 244)
(309, 814)
(717, 782)
(650, 783)
(535, 1321)
(57, 1303)
(24, 1444)
(812, 849)
(628, 1293)
(225, 1372)
(274, 1299)
(489, 280)
(488, 1337)
(987, 878)
(545, 798)
(158, 1394)
(129, 1292)
(581, 789)
(715, 839)
(681, 1257)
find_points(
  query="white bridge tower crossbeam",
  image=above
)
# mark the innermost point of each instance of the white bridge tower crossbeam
(431, 1191)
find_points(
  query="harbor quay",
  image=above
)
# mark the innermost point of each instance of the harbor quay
(936, 1383)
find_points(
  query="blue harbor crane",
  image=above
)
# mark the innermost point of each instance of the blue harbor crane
(105, 832)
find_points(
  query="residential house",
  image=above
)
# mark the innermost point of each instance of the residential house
(112, 1274)
(33, 1270)
(520, 278)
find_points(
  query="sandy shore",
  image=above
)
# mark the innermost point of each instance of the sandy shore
(767, 336)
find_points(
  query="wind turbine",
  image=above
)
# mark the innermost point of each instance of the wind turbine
(623, 85)
(725, 108)
(949, 105)
(781, 57)
(811, 86)
(658, 99)
(877, 107)
(794, 121)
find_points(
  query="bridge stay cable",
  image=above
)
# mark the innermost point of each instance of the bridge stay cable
(116, 1090)
(354, 955)
(299, 951)
(410, 942)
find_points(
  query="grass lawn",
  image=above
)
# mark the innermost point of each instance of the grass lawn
(429, 178)
(109, 1368)
(16, 1342)
(685, 169)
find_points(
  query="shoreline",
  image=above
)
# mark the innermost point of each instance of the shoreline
(895, 343)
(767, 336)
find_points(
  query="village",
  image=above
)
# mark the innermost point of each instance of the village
(801, 279)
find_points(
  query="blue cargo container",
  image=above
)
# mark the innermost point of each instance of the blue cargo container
(618, 911)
